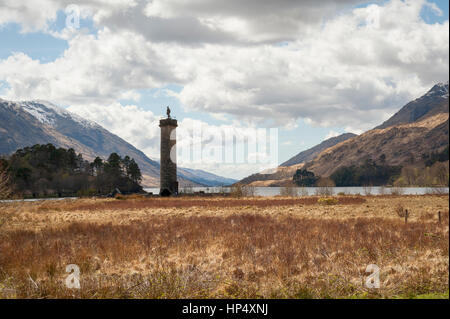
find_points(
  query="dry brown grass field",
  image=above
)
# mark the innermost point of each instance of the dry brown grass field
(226, 248)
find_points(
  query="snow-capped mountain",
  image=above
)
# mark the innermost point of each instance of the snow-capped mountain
(433, 102)
(26, 123)
(439, 90)
(48, 113)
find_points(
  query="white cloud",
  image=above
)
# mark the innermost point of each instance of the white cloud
(141, 128)
(100, 68)
(347, 68)
(331, 134)
(32, 17)
(248, 21)
(137, 126)
(345, 73)
(38, 15)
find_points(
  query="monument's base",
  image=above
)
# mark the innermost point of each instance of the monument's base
(169, 191)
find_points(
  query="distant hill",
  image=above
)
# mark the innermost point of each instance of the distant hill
(276, 177)
(419, 128)
(39, 122)
(432, 103)
(282, 175)
(310, 154)
(205, 178)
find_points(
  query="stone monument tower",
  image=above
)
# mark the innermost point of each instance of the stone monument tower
(168, 168)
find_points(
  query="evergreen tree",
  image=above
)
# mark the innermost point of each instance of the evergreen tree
(303, 177)
(133, 172)
(44, 170)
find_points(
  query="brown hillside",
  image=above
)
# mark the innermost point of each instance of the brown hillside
(401, 144)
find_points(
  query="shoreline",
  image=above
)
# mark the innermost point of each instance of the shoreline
(205, 193)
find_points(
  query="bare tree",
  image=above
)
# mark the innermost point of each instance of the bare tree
(409, 174)
(187, 189)
(238, 190)
(5, 189)
(325, 187)
(440, 172)
(288, 191)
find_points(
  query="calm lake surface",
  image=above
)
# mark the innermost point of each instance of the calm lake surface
(305, 191)
(35, 199)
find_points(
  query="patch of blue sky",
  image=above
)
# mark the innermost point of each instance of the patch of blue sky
(430, 16)
(303, 137)
(427, 13)
(368, 3)
(86, 25)
(37, 45)
(282, 44)
(3, 87)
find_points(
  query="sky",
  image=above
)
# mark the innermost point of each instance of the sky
(310, 69)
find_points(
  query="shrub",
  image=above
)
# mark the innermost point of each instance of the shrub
(325, 187)
(400, 211)
(238, 190)
(120, 197)
(87, 192)
(327, 201)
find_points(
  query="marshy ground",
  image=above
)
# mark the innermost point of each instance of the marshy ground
(277, 247)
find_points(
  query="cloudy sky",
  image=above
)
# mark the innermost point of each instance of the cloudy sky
(312, 69)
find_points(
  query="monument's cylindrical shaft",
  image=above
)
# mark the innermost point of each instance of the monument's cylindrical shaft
(168, 169)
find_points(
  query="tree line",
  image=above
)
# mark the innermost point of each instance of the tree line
(433, 170)
(45, 170)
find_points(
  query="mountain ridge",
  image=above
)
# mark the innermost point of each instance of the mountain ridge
(419, 127)
(285, 171)
(310, 153)
(426, 105)
(25, 123)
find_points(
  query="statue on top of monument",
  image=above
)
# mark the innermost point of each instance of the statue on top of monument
(168, 112)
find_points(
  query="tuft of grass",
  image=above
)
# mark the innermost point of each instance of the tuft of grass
(183, 202)
(327, 201)
(437, 295)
